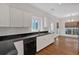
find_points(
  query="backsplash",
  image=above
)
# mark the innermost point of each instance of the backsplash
(15, 30)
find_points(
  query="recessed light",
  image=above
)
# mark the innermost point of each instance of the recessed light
(59, 4)
(52, 9)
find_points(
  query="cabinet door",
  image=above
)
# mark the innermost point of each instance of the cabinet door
(49, 39)
(19, 47)
(40, 42)
(44, 41)
(4, 15)
(16, 17)
(27, 19)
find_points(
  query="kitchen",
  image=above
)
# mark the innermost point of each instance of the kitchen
(27, 28)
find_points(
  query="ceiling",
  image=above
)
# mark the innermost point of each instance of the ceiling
(59, 9)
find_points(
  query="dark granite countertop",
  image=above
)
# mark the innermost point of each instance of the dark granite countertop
(30, 36)
(18, 37)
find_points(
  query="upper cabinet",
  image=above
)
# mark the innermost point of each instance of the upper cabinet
(27, 19)
(72, 24)
(4, 15)
(16, 16)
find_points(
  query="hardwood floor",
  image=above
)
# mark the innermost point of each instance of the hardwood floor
(62, 46)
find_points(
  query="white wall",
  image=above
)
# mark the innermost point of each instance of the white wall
(62, 26)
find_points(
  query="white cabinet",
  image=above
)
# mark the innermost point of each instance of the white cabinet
(44, 41)
(19, 47)
(4, 15)
(27, 19)
(16, 17)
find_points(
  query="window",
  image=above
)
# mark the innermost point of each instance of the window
(51, 29)
(35, 24)
(72, 31)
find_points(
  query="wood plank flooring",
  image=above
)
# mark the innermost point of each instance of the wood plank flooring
(62, 46)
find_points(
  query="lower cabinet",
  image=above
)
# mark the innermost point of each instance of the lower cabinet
(44, 41)
(34, 44)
